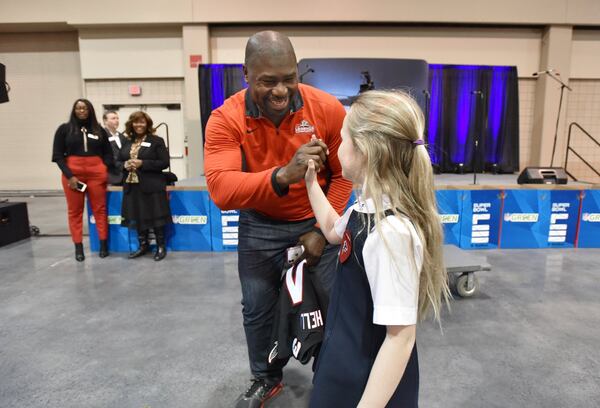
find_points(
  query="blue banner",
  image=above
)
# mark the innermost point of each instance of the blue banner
(118, 236)
(564, 213)
(540, 218)
(480, 219)
(224, 228)
(526, 219)
(450, 203)
(190, 230)
(472, 219)
(589, 227)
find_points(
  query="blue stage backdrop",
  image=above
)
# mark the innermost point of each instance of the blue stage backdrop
(450, 207)
(563, 218)
(118, 236)
(224, 224)
(539, 219)
(224, 228)
(523, 226)
(589, 227)
(190, 230)
(526, 219)
(481, 215)
(472, 219)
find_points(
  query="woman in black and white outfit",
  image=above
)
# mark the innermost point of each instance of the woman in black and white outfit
(145, 204)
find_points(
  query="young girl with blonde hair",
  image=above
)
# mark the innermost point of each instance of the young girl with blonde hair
(390, 271)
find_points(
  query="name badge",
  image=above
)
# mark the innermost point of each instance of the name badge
(116, 140)
(145, 144)
(91, 136)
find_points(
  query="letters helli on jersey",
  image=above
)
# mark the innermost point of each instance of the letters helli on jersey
(311, 320)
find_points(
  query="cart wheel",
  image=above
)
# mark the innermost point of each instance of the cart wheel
(462, 286)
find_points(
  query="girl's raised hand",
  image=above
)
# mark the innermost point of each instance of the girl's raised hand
(311, 172)
(311, 169)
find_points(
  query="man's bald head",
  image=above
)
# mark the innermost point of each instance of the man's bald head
(268, 45)
(271, 71)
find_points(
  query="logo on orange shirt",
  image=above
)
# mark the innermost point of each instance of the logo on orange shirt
(305, 127)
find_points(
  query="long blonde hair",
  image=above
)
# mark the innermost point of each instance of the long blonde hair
(383, 126)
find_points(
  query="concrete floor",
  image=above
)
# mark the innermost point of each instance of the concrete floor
(118, 333)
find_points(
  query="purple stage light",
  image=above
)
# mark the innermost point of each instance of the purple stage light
(496, 109)
(436, 78)
(464, 109)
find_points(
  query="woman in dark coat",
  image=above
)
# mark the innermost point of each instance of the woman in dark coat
(145, 203)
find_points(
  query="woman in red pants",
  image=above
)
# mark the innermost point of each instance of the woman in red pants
(82, 152)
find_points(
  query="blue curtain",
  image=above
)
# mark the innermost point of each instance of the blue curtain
(218, 82)
(469, 103)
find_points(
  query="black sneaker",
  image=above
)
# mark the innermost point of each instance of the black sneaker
(257, 394)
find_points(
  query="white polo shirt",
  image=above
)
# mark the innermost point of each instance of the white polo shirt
(392, 270)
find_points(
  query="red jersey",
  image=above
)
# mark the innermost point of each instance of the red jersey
(243, 149)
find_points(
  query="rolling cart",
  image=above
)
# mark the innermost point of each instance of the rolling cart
(462, 266)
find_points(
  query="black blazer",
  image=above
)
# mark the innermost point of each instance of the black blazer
(115, 175)
(155, 158)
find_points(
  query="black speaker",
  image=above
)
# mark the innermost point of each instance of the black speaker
(543, 175)
(3, 85)
(14, 223)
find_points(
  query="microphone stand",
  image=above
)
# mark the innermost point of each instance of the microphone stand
(427, 102)
(435, 166)
(562, 89)
(301, 76)
(480, 97)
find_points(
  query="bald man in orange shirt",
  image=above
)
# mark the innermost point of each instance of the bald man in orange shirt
(258, 144)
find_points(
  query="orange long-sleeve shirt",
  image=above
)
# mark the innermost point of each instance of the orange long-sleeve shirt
(237, 130)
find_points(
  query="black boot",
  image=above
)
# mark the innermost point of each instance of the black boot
(143, 248)
(161, 250)
(103, 248)
(79, 256)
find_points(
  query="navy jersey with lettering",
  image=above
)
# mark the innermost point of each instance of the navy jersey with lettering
(352, 339)
(299, 320)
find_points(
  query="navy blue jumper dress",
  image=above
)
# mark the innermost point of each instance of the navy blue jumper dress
(352, 340)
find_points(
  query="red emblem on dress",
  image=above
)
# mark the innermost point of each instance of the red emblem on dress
(346, 247)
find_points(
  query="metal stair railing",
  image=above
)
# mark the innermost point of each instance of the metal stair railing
(570, 149)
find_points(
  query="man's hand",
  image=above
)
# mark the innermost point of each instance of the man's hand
(295, 170)
(314, 244)
(73, 183)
